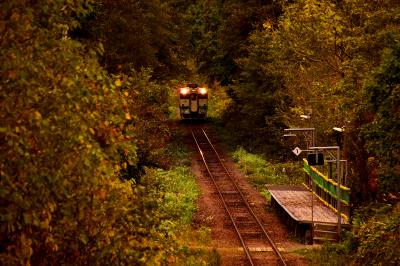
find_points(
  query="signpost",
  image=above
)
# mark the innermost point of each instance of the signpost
(297, 151)
(309, 134)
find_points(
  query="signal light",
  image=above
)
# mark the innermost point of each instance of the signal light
(184, 91)
(203, 91)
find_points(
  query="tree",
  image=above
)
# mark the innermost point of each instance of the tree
(256, 109)
(325, 51)
(383, 94)
(66, 131)
(135, 35)
(220, 31)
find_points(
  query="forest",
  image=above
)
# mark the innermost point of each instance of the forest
(90, 153)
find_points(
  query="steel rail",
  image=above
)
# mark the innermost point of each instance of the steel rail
(242, 197)
(246, 249)
(276, 250)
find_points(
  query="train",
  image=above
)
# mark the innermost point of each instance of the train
(193, 102)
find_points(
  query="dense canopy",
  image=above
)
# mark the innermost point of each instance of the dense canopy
(87, 96)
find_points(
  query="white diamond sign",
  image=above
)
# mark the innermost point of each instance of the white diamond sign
(297, 151)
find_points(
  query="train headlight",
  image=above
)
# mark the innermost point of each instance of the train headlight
(203, 91)
(184, 91)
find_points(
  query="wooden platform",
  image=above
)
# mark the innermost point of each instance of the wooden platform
(296, 201)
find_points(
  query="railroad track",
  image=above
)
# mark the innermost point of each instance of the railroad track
(247, 225)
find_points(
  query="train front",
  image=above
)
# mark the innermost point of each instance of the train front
(193, 102)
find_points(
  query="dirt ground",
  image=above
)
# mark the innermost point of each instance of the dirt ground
(211, 213)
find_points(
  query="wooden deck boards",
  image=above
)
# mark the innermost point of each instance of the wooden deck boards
(296, 201)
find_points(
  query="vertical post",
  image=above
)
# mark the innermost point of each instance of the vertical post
(338, 181)
(312, 211)
(313, 138)
(338, 190)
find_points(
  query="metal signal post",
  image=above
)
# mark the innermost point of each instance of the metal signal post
(309, 133)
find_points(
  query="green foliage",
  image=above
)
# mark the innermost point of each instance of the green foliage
(329, 254)
(146, 109)
(261, 172)
(180, 193)
(71, 135)
(68, 133)
(56, 172)
(255, 110)
(365, 213)
(378, 240)
(205, 20)
(329, 59)
(175, 192)
(219, 31)
(308, 49)
(137, 34)
(383, 94)
(176, 150)
(374, 240)
(314, 60)
(266, 194)
(328, 51)
(218, 102)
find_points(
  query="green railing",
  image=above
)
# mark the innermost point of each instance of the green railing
(326, 184)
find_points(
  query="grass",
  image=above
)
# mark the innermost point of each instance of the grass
(194, 247)
(260, 171)
(328, 255)
(180, 203)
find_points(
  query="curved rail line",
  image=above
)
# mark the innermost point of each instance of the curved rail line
(225, 184)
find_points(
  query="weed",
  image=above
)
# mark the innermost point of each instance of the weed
(328, 255)
(266, 194)
(260, 171)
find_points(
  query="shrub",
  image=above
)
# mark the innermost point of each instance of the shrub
(375, 240)
(261, 172)
(379, 240)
